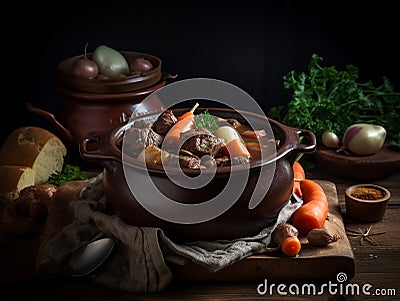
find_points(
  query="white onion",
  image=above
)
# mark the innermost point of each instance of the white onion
(227, 133)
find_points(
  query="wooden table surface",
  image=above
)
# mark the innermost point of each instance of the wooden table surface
(377, 266)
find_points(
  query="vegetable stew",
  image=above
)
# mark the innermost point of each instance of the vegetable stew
(197, 140)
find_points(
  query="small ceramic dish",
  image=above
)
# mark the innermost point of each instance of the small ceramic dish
(366, 202)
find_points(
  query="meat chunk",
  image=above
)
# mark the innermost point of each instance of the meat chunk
(164, 122)
(234, 122)
(155, 155)
(189, 162)
(201, 143)
(138, 138)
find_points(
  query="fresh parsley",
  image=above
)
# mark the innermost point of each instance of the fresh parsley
(327, 98)
(204, 120)
(69, 173)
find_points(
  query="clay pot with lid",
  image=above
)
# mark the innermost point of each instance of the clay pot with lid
(93, 106)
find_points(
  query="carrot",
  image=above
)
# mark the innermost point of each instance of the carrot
(312, 214)
(291, 246)
(233, 142)
(235, 148)
(299, 174)
(188, 114)
(313, 191)
(172, 137)
(184, 123)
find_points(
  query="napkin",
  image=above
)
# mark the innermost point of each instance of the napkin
(138, 263)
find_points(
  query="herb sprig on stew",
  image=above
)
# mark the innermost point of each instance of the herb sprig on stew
(329, 99)
(206, 121)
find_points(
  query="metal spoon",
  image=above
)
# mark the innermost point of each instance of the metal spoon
(84, 260)
(89, 257)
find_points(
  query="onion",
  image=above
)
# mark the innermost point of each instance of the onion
(140, 64)
(227, 133)
(85, 67)
(330, 139)
(111, 62)
(363, 139)
(282, 231)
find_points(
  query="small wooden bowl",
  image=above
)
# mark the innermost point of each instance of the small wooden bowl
(366, 210)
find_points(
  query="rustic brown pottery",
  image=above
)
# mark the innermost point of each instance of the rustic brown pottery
(82, 114)
(237, 221)
(93, 106)
(367, 209)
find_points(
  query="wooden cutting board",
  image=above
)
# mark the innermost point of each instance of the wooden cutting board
(313, 263)
(316, 263)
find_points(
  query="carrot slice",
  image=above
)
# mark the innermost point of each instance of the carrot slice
(184, 123)
(236, 148)
(172, 137)
(291, 246)
(188, 114)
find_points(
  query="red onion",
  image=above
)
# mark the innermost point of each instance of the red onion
(363, 139)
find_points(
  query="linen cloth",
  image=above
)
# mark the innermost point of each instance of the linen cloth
(138, 262)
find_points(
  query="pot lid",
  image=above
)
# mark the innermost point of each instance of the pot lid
(130, 83)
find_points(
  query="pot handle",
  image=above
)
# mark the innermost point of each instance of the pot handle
(304, 141)
(90, 150)
(51, 119)
(310, 144)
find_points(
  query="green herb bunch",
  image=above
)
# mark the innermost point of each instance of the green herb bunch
(331, 99)
(69, 173)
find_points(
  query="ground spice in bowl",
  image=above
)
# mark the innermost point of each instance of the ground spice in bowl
(367, 193)
(366, 202)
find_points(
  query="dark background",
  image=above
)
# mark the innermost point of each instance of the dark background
(250, 44)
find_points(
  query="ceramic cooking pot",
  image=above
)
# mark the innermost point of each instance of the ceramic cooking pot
(238, 221)
(93, 106)
(84, 114)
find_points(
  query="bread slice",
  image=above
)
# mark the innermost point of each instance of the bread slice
(34, 147)
(14, 178)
